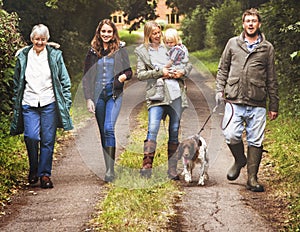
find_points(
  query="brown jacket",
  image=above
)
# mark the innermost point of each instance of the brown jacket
(248, 77)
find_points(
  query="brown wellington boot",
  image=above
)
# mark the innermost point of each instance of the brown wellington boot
(240, 160)
(172, 161)
(149, 151)
(253, 160)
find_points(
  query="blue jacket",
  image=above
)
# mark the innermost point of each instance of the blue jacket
(61, 87)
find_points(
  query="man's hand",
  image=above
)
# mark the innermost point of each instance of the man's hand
(219, 98)
(272, 115)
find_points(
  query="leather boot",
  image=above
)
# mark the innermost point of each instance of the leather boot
(149, 151)
(172, 161)
(109, 158)
(240, 160)
(254, 155)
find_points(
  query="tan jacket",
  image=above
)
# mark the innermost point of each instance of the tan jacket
(147, 72)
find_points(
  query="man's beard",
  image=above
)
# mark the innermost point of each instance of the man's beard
(253, 34)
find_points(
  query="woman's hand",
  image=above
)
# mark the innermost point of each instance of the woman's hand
(122, 78)
(178, 73)
(90, 106)
(165, 73)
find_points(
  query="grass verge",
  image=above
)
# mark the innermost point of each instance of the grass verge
(133, 203)
(282, 163)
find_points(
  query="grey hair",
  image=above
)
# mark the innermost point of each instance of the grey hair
(40, 29)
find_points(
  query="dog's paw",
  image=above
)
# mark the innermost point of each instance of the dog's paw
(206, 177)
(187, 178)
(202, 180)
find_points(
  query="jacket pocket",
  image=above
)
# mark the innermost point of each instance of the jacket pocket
(232, 88)
(151, 90)
(257, 90)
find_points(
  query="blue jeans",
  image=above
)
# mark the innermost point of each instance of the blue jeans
(40, 124)
(241, 117)
(107, 112)
(156, 113)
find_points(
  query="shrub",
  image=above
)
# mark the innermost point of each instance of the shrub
(221, 24)
(10, 42)
(193, 29)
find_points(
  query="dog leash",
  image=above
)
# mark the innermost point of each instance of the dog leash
(209, 116)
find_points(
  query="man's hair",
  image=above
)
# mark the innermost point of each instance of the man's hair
(253, 12)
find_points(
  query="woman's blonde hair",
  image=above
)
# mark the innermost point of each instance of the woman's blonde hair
(114, 43)
(172, 34)
(149, 27)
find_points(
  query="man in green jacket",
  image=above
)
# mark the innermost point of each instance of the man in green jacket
(246, 79)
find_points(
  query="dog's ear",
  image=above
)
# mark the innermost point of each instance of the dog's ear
(199, 142)
(179, 150)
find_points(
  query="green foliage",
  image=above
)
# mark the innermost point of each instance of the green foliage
(281, 27)
(193, 29)
(187, 6)
(282, 142)
(10, 41)
(137, 11)
(227, 14)
(13, 160)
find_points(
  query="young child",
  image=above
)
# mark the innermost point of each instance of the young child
(178, 55)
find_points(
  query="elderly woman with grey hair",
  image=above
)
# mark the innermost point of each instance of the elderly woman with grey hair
(42, 100)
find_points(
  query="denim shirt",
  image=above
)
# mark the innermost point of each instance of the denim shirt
(104, 78)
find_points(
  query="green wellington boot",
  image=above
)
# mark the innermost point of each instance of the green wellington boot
(240, 160)
(253, 160)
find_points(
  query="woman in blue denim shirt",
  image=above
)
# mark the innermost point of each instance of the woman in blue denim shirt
(106, 69)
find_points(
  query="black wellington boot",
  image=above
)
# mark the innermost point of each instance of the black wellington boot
(109, 157)
(240, 160)
(253, 160)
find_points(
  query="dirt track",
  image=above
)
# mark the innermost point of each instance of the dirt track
(218, 206)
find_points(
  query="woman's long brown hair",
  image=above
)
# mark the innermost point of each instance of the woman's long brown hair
(114, 43)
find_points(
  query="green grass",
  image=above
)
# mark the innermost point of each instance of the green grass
(13, 161)
(129, 38)
(205, 60)
(136, 203)
(282, 143)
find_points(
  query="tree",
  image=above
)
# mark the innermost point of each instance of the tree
(137, 11)
(194, 29)
(229, 14)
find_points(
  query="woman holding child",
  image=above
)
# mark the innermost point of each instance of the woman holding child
(152, 61)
